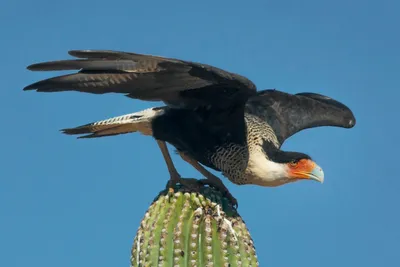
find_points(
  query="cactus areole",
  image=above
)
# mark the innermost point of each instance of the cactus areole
(193, 226)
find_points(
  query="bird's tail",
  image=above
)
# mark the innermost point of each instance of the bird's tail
(129, 123)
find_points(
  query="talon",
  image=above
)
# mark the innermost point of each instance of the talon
(232, 199)
(170, 187)
(172, 182)
(222, 188)
(171, 191)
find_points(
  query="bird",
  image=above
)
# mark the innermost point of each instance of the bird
(214, 118)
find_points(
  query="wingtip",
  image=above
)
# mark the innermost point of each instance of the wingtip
(35, 87)
(352, 121)
(64, 131)
(29, 88)
(36, 67)
(349, 117)
(32, 67)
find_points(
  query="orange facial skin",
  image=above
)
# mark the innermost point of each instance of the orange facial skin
(301, 169)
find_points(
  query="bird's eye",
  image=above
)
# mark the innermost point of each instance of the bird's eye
(293, 163)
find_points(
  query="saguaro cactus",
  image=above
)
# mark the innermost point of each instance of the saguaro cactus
(194, 226)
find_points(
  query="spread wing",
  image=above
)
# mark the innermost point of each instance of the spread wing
(288, 114)
(146, 77)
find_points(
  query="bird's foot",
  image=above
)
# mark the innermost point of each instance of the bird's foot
(222, 188)
(172, 182)
(190, 184)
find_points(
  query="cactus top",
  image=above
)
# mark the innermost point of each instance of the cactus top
(192, 227)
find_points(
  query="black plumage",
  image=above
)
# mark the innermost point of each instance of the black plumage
(212, 116)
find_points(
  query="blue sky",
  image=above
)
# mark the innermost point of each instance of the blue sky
(79, 202)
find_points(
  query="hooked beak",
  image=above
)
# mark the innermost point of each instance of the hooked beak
(309, 170)
(317, 174)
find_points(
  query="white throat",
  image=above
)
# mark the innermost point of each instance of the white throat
(264, 172)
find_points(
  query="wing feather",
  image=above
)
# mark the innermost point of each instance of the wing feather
(288, 113)
(145, 77)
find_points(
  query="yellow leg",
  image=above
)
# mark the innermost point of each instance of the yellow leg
(174, 175)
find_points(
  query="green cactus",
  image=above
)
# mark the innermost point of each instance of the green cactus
(194, 226)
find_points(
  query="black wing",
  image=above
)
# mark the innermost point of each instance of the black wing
(288, 114)
(145, 77)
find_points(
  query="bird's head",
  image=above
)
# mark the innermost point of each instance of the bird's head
(285, 167)
(296, 166)
(304, 168)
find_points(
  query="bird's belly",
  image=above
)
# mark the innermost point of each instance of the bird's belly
(219, 147)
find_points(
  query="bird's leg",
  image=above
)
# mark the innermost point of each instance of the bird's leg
(174, 175)
(211, 178)
(175, 178)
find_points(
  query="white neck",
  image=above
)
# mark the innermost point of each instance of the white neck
(264, 172)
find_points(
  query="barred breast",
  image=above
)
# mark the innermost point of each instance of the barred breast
(234, 159)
